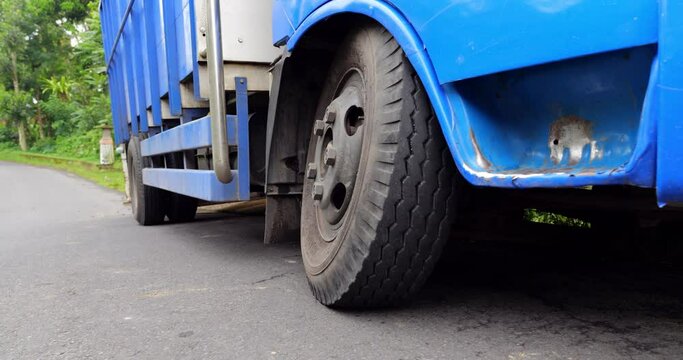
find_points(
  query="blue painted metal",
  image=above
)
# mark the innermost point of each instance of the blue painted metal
(138, 72)
(506, 118)
(172, 57)
(197, 134)
(670, 111)
(130, 86)
(200, 184)
(119, 33)
(451, 41)
(184, 35)
(192, 135)
(471, 38)
(157, 19)
(195, 54)
(152, 60)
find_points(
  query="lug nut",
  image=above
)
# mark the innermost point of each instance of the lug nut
(318, 191)
(330, 156)
(319, 128)
(311, 171)
(331, 117)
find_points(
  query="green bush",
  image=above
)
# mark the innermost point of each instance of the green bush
(44, 146)
(544, 217)
(59, 114)
(82, 146)
(7, 135)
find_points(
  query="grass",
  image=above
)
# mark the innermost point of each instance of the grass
(111, 178)
(544, 217)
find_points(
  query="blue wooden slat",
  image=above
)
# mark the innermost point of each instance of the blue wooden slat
(138, 71)
(193, 135)
(158, 23)
(195, 52)
(152, 59)
(141, 27)
(172, 58)
(185, 34)
(130, 86)
(200, 184)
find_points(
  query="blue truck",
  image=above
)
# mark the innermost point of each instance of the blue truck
(373, 128)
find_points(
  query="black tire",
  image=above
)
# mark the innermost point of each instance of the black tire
(147, 202)
(180, 208)
(398, 214)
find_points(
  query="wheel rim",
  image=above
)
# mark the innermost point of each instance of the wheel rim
(334, 167)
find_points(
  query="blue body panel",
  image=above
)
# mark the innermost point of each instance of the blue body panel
(192, 135)
(200, 184)
(171, 56)
(154, 89)
(670, 105)
(203, 184)
(464, 39)
(462, 50)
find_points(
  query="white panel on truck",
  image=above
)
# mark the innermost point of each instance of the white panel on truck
(246, 30)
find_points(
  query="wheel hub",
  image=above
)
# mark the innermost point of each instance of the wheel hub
(338, 145)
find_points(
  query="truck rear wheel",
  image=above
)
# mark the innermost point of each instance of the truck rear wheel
(147, 202)
(379, 198)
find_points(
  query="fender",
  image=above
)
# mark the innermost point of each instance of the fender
(391, 19)
(457, 121)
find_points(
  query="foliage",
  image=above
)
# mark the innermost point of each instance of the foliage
(8, 136)
(60, 87)
(15, 106)
(82, 146)
(59, 114)
(53, 84)
(544, 217)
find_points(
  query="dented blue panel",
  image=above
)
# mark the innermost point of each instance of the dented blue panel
(581, 120)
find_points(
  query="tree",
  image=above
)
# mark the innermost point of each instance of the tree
(15, 31)
(37, 59)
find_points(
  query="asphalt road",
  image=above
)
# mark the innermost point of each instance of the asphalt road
(80, 279)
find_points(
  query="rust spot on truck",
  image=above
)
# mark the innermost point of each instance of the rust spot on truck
(482, 162)
(574, 133)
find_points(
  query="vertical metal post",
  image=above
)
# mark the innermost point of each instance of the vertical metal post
(214, 50)
(242, 136)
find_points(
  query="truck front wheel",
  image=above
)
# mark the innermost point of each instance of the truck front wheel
(381, 187)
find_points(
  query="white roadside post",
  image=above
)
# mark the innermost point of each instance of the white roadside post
(106, 147)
